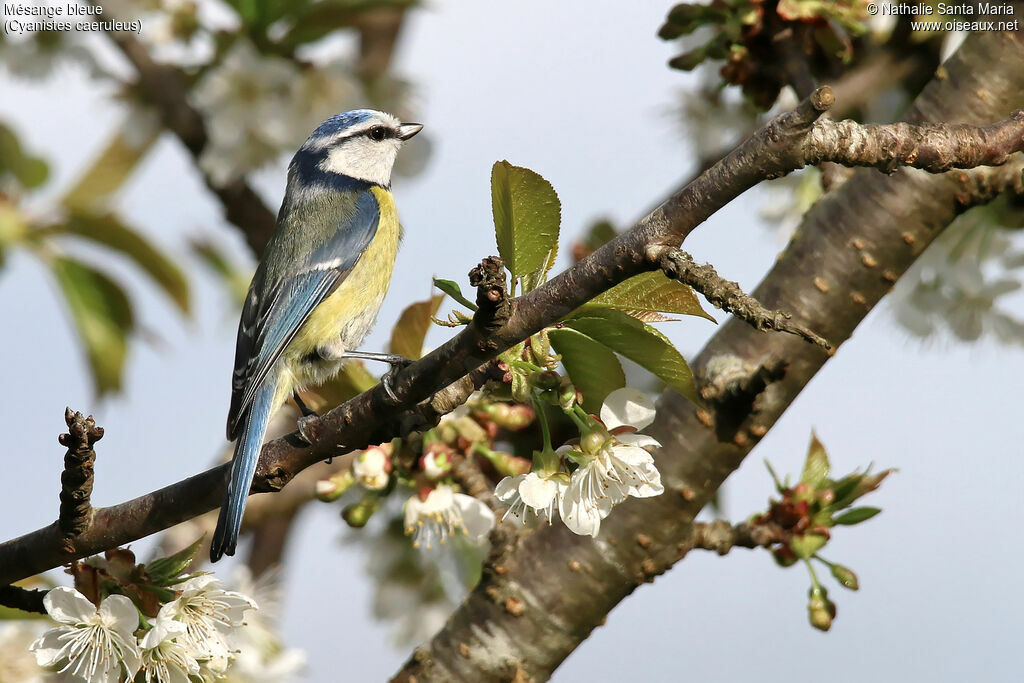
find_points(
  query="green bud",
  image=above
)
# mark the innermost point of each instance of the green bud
(358, 514)
(845, 576)
(820, 610)
(545, 380)
(567, 395)
(333, 488)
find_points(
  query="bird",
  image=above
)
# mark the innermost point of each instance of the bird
(318, 288)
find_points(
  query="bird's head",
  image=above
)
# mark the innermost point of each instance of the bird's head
(360, 144)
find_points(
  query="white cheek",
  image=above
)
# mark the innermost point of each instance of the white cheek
(363, 159)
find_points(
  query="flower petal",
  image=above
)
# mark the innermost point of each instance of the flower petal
(508, 487)
(627, 406)
(638, 440)
(537, 492)
(47, 647)
(477, 518)
(68, 606)
(119, 614)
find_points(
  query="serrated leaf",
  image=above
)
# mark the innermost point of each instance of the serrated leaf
(651, 292)
(103, 315)
(409, 332)
(108, 230)
(591, 366)
(527, 214)
(453, 290)
(855, 516)
(816, 467)
(638, 342)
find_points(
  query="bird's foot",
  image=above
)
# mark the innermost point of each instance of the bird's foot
(303, 408)
(398, 363)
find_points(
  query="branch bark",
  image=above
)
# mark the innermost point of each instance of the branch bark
(373, 417)
(847, 253)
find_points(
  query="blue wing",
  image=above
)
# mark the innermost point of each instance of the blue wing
(275, 311)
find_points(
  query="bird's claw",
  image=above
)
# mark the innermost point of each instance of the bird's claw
(398, 363)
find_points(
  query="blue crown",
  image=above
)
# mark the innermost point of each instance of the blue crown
(339, 122)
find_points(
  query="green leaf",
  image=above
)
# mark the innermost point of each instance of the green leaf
(31, 171)
(651, 292)
(856, 516)
(816, 466)
(108, 230)
(103, 316)
(533, 280)
(527, 214)
(112, 166)
(779, 486)
(592, 366)
(638, 342)
(165, 570)
(453, 290)
(410, 330)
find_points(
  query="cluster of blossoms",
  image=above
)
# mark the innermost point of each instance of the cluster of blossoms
(580, 482)
(190, 636)
(583, 481)
(155, 623)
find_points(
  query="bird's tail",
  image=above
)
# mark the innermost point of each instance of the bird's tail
(243, 465)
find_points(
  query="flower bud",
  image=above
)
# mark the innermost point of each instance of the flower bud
(545, 380)
(436, 461)
(372, 467)
(845, 576)
(511, 416)
(334, 487)
(820, 610)
(358, 514)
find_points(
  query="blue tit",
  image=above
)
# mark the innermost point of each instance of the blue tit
(316, 293)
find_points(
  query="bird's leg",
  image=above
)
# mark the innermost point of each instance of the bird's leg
(303, 408)
(396, 362)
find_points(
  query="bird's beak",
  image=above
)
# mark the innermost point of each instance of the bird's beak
(407, 130)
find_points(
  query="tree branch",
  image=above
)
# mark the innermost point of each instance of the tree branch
(857, 240)
(728, 296)
(373, 417)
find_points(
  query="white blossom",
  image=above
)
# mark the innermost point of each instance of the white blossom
(93, 645)
(441, 513)
(372, 468)
(260, 652)
(209, 613)
(165, 658)
(620, 468)
(532, 493)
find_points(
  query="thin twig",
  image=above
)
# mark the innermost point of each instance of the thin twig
(728, 296)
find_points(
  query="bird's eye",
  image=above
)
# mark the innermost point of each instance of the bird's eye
(377, 133)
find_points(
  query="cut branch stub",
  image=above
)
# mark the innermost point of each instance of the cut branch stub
(77, 478)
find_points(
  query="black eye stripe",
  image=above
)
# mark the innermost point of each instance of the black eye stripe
(379, 133)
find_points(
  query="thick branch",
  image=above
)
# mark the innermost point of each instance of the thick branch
(857, 241)
(373, 417)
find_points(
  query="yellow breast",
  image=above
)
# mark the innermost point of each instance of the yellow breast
(350, 311)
